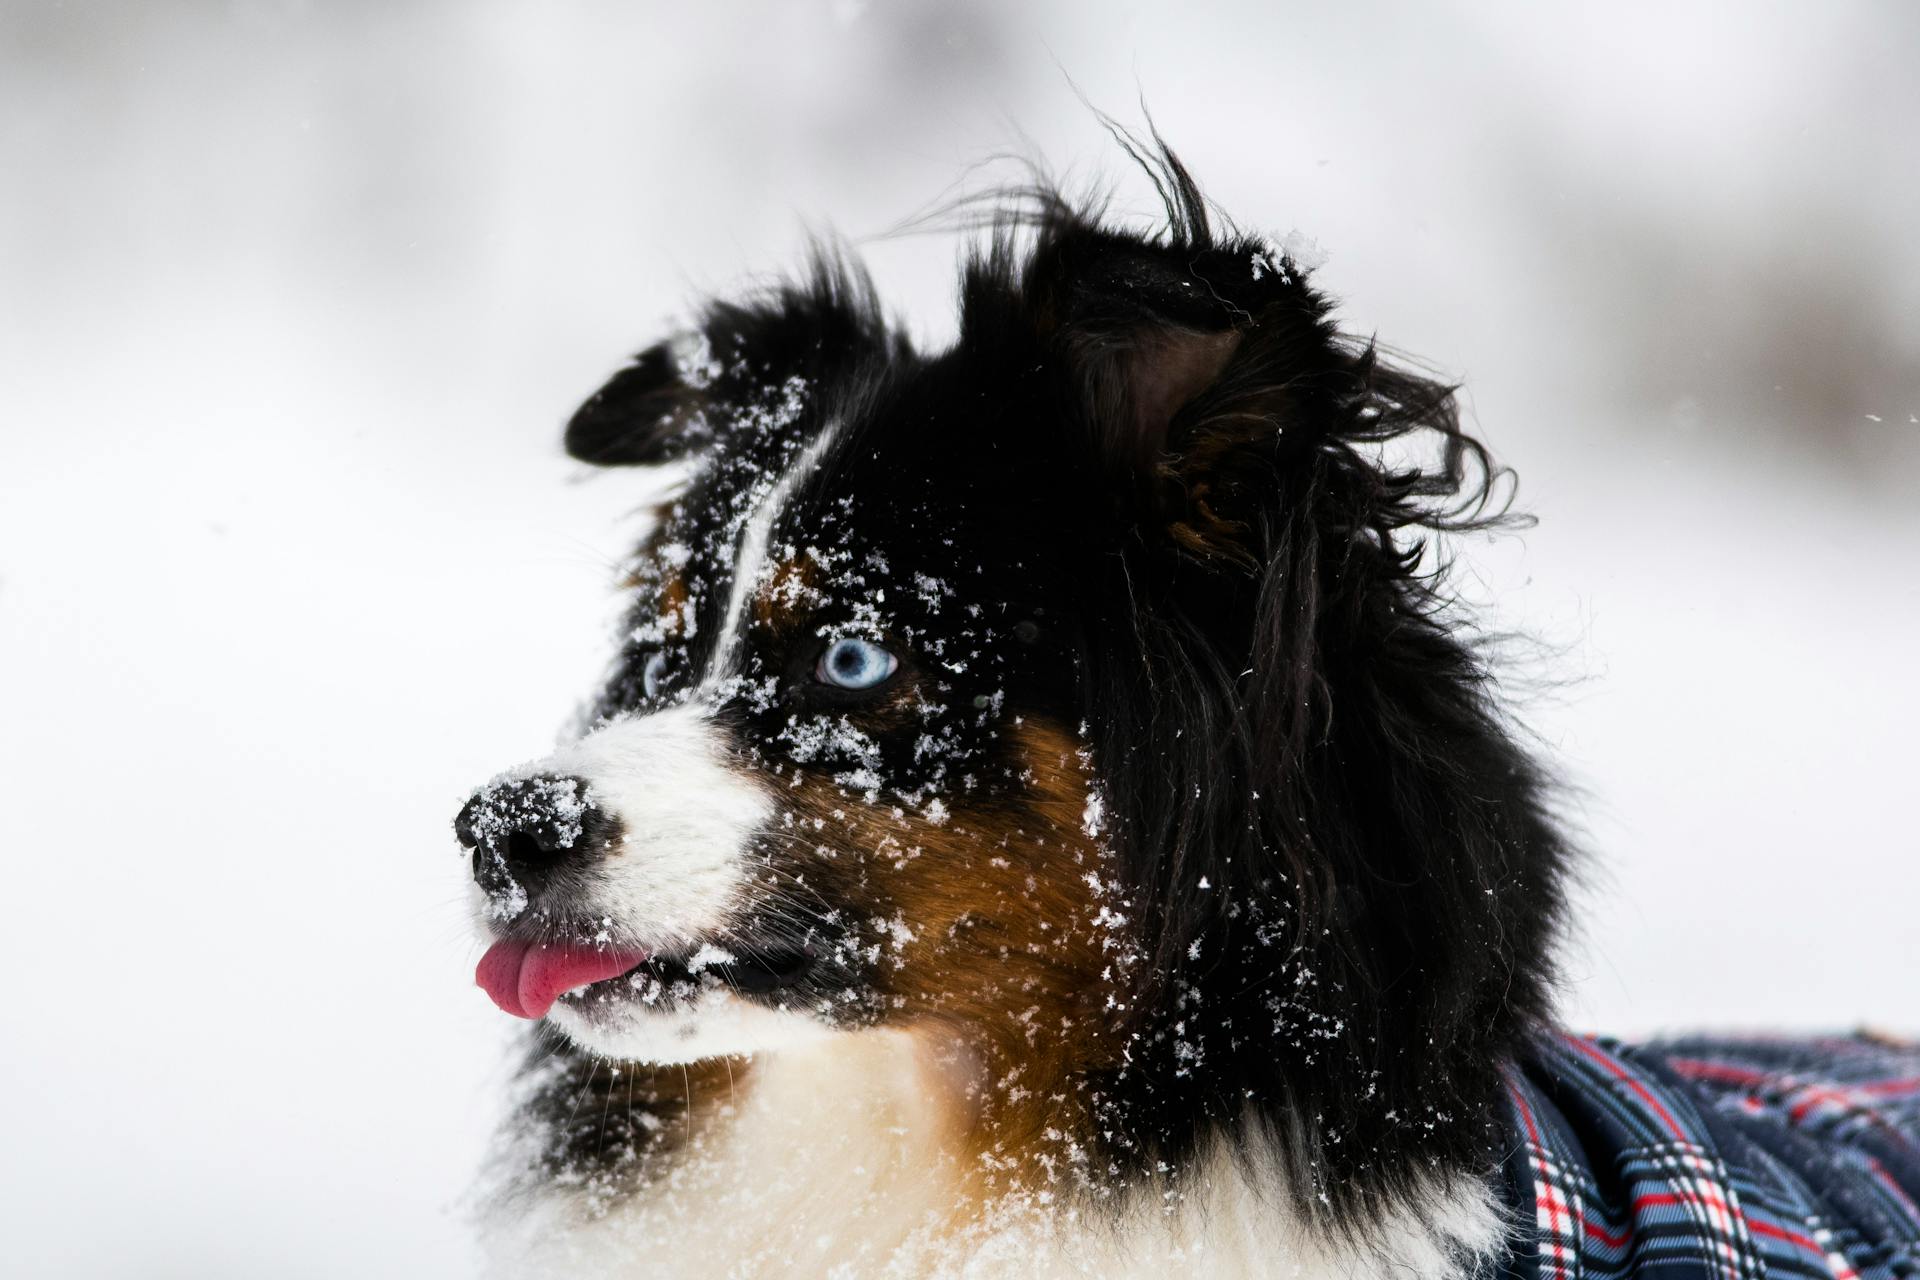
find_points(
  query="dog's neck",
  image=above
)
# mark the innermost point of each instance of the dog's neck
(878, 1153)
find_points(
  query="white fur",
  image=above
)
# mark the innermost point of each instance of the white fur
(714, 1024)
(838, 1160)
(686, 814)
(750, 556)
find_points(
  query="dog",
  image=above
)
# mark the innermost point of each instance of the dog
(1048, 816)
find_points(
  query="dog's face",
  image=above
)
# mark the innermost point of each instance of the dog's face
(837, 777)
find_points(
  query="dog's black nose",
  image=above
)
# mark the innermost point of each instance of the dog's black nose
(523, 831)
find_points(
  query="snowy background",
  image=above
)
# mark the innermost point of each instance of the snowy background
(294, 298)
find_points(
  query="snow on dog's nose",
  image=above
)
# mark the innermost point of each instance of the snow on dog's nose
(523, 830)
(639, 831)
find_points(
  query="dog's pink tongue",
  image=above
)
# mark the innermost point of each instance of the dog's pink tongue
(499, 974)
(525, 978)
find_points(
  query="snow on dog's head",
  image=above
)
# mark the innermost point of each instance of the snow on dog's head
(1076, 695)
(837, 777)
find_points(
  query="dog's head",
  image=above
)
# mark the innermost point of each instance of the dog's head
(1077, 692)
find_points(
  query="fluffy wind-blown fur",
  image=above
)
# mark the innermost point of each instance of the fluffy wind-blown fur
(1352, 885)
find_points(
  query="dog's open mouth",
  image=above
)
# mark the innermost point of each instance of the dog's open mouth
(526, 978)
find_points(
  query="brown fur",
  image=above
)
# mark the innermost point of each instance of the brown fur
(1017, 1007)
(794, 585)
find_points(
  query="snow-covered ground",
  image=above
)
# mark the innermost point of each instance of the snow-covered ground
(293, 299)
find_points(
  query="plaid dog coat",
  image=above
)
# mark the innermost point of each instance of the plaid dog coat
(1702, 1159)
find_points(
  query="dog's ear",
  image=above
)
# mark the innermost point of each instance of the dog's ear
(744, 362)
(1203, 370)
(646, 414)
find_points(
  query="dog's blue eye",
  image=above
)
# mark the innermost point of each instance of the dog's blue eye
(654, 673)
(853, 663)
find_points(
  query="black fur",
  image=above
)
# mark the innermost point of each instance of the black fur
(1283, 712)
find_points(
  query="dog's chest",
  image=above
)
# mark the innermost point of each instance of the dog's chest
(844, 1162)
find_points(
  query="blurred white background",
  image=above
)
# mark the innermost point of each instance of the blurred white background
(293, 301)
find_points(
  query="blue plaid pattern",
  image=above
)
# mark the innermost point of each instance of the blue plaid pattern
(1701, 1159)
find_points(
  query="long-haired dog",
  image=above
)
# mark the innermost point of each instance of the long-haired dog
(1044, 817)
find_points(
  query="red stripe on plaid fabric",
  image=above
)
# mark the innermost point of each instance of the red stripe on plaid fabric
(1619, 1073)
(1794, 1238)
(1608, 1238)
(1526, 1112)
(1891, 1087)
(1813, 1095)
(1685, 1199)
(1695, 1068)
